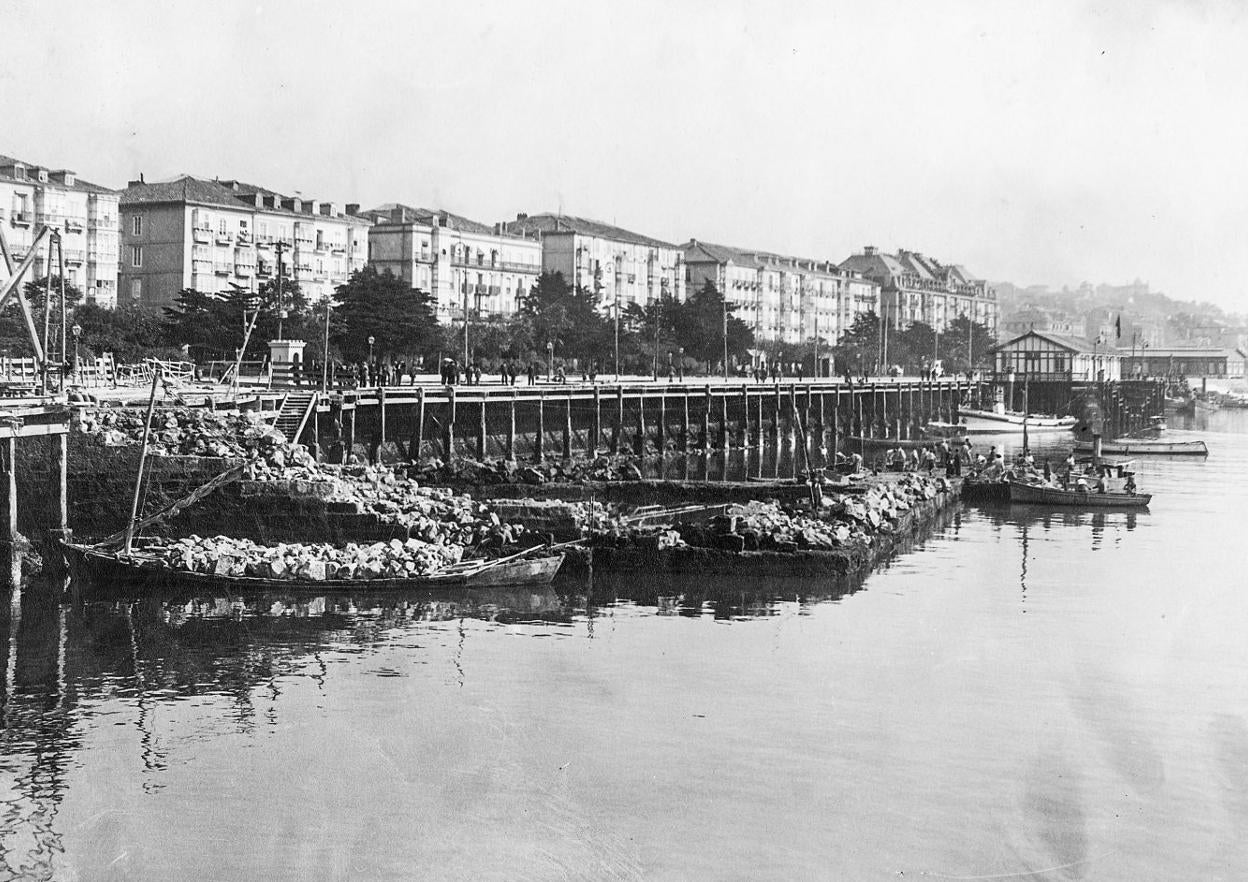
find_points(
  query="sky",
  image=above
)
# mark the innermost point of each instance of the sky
(1039, 143)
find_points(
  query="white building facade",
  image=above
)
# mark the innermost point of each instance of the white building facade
(468, 268)
(214, 235)
(84, 214)
(621, 267)
(782, 299)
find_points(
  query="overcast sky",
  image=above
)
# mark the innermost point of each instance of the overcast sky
(1033, 142)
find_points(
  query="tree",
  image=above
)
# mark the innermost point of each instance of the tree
(13, 334)
(130, 332)
(914, 348)
(699, 327)
(953, 344)
(381, 306)
(554, 312)
(858, 350)
(196, 320)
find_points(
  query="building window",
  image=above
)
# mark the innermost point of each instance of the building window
(136, 289)
(221, 225)
(136, 225)
(136, 255)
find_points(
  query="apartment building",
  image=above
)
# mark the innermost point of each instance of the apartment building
(916, 288)
(212, 235)
(783, 299)
(618, 265)
(86, 215)
(469, 268)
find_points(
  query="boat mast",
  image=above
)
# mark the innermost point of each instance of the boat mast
(138, 481)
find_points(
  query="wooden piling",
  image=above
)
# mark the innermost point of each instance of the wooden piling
(540, 440)
(511, 427)
(706, 421)
(567, 425)
(482, 433)
(448, 426)
(418, 434)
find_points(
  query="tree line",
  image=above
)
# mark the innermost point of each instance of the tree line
(566, 323)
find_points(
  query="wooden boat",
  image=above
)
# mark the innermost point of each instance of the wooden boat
(904, 443)
(988, 422)
(1144, 446)
(1041, 494)
(101, 571)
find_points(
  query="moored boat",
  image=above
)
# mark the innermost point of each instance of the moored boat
(987, 422)
(1043, 494)
(97, 570)
(1143, 446)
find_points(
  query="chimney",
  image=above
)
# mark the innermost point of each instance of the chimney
(869, 251)
(498, 229)
(521, 216)
(353, 208)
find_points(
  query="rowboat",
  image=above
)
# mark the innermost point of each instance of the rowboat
(987, 422)
(1041, 494)
(100, 571)
(1141, 446)
(903, 443)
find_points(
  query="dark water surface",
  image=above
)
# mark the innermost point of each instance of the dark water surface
(1025, 695)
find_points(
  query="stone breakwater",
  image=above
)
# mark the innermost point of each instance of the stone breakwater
(851, 534)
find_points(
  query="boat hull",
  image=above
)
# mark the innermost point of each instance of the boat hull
(99, 572)
(983, 422)
(1035, 494)
(1132, 447)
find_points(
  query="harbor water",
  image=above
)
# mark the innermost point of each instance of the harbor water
(1025, 694)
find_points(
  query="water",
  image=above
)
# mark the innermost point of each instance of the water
(1024, 695)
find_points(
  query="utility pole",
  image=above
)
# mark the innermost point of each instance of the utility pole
(724, 296)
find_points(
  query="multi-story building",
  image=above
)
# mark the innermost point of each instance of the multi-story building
(915, 288)
(214, 235)
(782, 299)
(84, 214)
(620, 266)
(467, 267)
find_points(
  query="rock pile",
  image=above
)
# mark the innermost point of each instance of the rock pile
(184, 432)
(843, 520)
(225, 556)
(432, 514)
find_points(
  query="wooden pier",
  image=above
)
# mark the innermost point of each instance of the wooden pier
(22, 420)
(532, 422)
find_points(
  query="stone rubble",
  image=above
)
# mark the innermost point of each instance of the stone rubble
(226, 556)
(183, 431)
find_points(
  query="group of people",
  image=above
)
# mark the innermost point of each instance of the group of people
(942, 454)
(1093, 477)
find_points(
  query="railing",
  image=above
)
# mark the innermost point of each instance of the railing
(20, 219)
(199, 234)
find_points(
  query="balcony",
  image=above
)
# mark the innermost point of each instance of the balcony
(244, 269)
(75, 256)
(264, 270)
(222, 269)
(320, 247)
(338, 248)
(224, 237)
(244, 237)
(75, 224)
(201, 234)
(264, 242)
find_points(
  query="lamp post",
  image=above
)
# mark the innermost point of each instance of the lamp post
(550, 360)
(680, 364)
(371, 341)
(76, 331)
(279, 247)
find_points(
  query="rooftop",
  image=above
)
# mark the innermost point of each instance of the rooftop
(530, 224)
(78, 184)
(697, 251)
(225, 194)
(385, 214)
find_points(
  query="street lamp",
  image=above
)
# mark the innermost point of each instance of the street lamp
(76, 330)
(550, 360)
(371, 341)
(680, 365)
